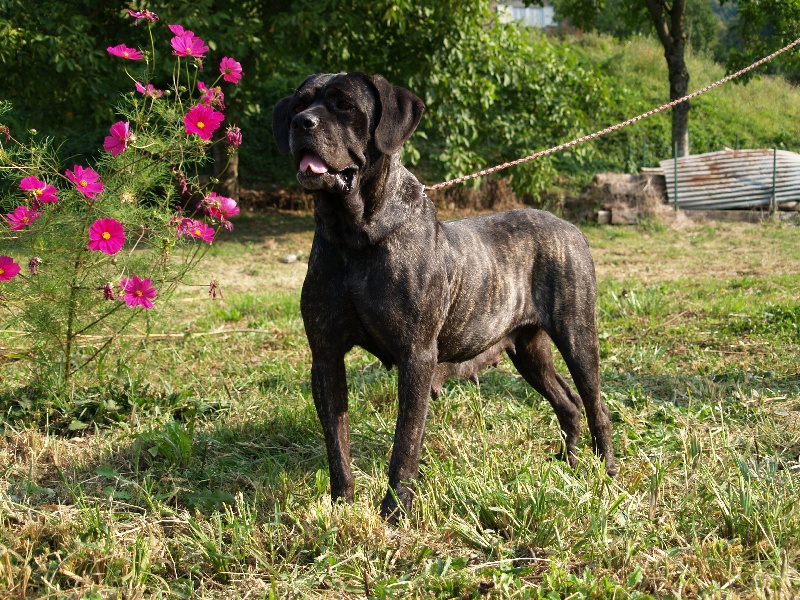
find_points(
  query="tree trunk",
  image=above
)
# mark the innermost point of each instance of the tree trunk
(669, 23)
(228, 177)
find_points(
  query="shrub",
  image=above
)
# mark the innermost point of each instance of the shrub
(105, 243)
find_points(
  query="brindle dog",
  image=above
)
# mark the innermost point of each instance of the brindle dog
(434, 298)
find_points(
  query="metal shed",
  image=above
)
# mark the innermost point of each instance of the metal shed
(733, 179)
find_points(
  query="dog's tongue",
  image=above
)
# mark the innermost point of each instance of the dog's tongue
(313, 162)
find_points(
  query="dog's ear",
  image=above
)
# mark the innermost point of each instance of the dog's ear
(280, 123)
(401, 112)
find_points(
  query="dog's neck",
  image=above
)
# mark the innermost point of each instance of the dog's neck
(381, 201)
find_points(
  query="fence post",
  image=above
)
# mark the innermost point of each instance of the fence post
(675, 173)
(773, 203)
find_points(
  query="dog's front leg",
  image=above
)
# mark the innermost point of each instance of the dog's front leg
(414, 389)
(329, 387)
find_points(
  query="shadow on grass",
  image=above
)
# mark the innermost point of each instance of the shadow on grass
(269, 223)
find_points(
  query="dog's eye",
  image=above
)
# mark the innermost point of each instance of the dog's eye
(343, 104)
(297, 108)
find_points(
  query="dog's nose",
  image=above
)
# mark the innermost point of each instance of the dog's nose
(305, 120)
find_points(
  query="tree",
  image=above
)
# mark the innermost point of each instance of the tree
(670, 22)
(765, 26)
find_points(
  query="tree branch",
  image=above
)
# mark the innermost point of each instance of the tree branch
(657, 8)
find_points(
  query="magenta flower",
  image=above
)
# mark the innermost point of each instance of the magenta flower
(8, 268)
(211, 96)
(233, 135)
(188, 44)
(231, 70)
(197, 229)
(124, 52)
(203, 120)
(21, 218)
(149, 90)
(214, 289)
(138, 292)
(143, 14)
(179, 30)
(118, 140)
(219, 207)
(86, 181)
(33, 265)
(39, 190)
(108, 292)
(106, 235)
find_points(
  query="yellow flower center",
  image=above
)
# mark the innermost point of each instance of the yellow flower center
(200, 124)
(82, 183)
(2, 270)
(125, 54)
(38, 191)
(197, 232)
(137, 293)
(122, 138)
(106, 235)
(25, 219)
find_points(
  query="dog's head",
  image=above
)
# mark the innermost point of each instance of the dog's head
(337, 126)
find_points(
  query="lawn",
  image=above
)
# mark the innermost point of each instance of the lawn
(191, 463)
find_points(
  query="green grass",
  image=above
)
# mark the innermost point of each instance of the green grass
(196, 467)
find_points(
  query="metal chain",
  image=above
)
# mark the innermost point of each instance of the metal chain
(596, 134)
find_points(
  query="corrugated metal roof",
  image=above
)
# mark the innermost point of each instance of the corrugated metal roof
(733, 179)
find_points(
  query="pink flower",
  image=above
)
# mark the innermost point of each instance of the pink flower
(138, 292)
(143, 14)
(118, 140)
(124, 52)
(214, 289)
(233, 135)
(179, 30)
(219, 207)
(203, 120)
(188, 44)
(211, 96)
(38, 189)
(106, 235)
(196, 229)
(33, 265)
(148, 90)
(108, 292)
(21, 218)
(231, 70)
(8, 268)
(86, 181)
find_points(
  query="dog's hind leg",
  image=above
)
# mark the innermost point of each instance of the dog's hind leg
(534, 360)
(579, 347)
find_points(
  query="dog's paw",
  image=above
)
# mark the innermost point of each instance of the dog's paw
(392, 510)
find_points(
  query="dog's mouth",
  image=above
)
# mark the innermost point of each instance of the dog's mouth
(314, 174)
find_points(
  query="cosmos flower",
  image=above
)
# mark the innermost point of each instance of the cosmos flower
(86, 181)
(39, 190)
(106, 235)
(203, 120)
(118, 140)
(231, 70)
(138, 292)
(188, 44)
(8, 268)
(148, 90)
(143, 14)
(233, 135)
(124, 52)
(21, 218)
(219, 207)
